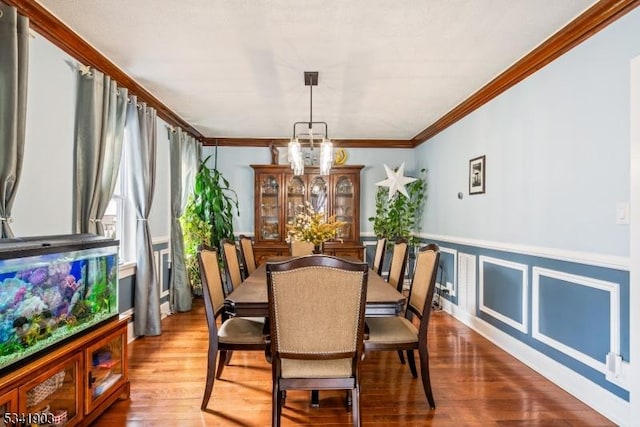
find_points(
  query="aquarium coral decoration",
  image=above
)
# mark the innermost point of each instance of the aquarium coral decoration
(46, 303)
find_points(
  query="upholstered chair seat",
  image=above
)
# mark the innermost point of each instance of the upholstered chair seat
(242, 330)
(298, 368)
(391, 330)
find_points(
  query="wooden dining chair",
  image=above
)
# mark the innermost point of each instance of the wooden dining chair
(378, 257)
(231, 265)
(234, 333)
(248, 257)
(311, 298)
(398, 263)
(300, 248)
(398, 333)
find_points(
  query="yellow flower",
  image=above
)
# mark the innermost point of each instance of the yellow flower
(311, 226)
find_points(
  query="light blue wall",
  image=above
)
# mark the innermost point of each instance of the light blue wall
(43, 202)
(234, 165)
(557, 149)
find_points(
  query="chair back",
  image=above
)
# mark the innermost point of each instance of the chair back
(211, 278)
(424, 283)
(300, 248)
(378, 258)
(312, 297)
(398, 263)
(248, 257)
(231, 263)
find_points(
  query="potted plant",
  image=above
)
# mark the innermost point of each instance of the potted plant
(400, 216)
(208, 217)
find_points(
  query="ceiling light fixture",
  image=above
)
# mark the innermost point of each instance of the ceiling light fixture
(295, 154)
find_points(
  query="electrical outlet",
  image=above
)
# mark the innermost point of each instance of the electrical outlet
(449, 288)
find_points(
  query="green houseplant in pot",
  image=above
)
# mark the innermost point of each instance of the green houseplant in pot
(400, 216)
(208, 217)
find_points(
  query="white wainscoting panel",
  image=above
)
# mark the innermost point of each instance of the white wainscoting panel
(466, 279)
(521, 326)
(454, 285)
(614, 325)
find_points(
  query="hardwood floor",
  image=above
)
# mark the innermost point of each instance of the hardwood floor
(474, 383)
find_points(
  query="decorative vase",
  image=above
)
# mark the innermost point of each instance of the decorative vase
(317, 249)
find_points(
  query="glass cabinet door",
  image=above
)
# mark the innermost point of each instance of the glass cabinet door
(53, 397)
(318, 194)
(8, 408)
(269, 215)
(105, 367)
(296, 196)
(344, 206)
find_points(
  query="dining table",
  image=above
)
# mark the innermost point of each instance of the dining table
(249, 299)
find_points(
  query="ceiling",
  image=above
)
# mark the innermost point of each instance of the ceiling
(387, 69)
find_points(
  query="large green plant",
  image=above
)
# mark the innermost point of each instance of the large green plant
(400, 217)
(208, 217)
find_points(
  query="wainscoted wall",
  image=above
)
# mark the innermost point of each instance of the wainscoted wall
(162, 258)
(574, 312)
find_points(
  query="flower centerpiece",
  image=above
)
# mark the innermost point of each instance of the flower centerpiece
(311, 226)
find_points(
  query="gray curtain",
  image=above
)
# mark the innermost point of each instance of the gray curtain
(100, 116)
(141, 155)
(185, 159)
(14, 61)
(179, 287)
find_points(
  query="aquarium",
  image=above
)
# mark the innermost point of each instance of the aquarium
(51, 289)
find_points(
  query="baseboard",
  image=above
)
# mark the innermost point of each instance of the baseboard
(165, 310)
(606, 403)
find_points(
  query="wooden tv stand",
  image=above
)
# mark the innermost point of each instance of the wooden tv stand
(74, 383)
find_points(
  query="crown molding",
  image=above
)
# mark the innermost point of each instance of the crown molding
(584, 26)
(282, 142)
(54, 30)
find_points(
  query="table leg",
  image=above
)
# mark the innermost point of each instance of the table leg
(315, 399)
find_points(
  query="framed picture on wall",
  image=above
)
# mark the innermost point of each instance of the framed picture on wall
(477, 175)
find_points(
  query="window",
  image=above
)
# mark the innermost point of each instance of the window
(119, 219)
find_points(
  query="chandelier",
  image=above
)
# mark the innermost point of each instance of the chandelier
(296, 157)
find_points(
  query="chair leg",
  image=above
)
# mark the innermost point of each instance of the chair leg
(211, 368)
(223, 361)
(276, 405)
(424, 371)
(355, 405)
(401, 356)
(315, 398)
(412, 363)
(348, 401)
(228, 359)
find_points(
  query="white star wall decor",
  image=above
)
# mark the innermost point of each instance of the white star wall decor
(396, 181)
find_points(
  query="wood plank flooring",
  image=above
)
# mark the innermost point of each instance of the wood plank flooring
(474, 383)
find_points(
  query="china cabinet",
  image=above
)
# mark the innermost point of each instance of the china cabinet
(280, 195)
